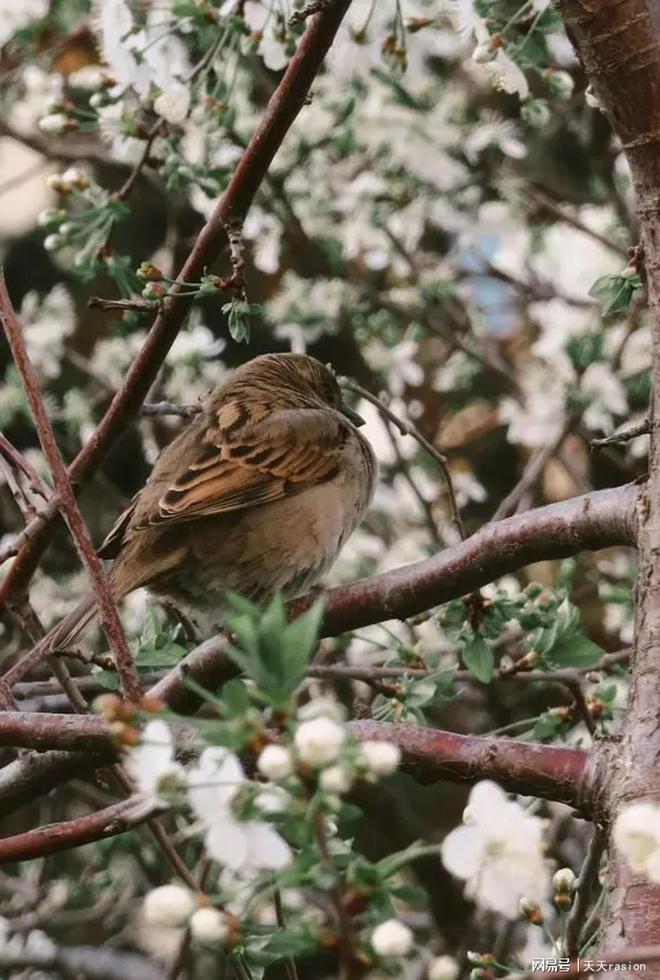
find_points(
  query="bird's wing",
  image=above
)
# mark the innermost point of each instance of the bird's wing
(231, 459)
(274, 456)
(114, 538)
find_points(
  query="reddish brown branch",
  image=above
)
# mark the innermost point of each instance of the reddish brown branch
(69, 506)
(552, 772)
(285, 104)
(586, 523)
(22, 729)
(113, 820)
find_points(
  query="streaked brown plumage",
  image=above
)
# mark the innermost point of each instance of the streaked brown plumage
(257, 494)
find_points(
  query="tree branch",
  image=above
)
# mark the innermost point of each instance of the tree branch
(549, 771)
(110, 822)
(82, 539)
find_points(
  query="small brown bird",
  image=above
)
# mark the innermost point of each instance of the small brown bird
(257, 494)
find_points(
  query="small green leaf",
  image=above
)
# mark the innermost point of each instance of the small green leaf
(478, 658)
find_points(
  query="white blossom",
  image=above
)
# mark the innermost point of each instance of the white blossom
(151, 764)
(392, 938)
(173, 104)
(319, 741)
(336, 779)
(87, 79)
(275, 762)
(380, 758)
(169, 905)
(443, 968)
(498, 851)
(14, 16)
(637, 835)
(258, 17)
(209, 925)
(54, 124)
(242, 845)
(46, 324)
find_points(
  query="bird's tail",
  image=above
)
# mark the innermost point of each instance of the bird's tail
(64, 634)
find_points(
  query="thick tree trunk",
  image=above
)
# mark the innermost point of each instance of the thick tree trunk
(618, 42)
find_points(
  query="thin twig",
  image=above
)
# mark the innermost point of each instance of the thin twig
(169, 408)
(71, 512)
(408, 429)
(531, 473)
(585, 886)
(642, 428)
(548, 204)
(146, 307)
(113, 820)
(289, 963)
(128, 185)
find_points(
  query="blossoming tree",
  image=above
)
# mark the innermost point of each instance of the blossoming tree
(456, 203)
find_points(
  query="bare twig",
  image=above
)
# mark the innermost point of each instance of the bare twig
(539, 197)
(169, 408)
(585, 887)
(146, 307)
(642, 428)
(408, 429)
(70, 510)
(289, 963)
(314, 7)
(128, 185)
(531, 473)
(113, 820)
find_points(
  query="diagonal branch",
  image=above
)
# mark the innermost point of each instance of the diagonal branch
(69, 507)
(110, 822)
(282, 109)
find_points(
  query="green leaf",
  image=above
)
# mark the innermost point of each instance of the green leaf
(478, 658)
(614, 292)
(235, 698)
(575, 651)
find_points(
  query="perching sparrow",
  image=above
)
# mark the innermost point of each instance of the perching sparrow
(257, 494)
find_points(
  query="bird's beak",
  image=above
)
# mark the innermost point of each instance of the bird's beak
(350, 414)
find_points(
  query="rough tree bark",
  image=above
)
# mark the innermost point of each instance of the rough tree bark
(618, 42)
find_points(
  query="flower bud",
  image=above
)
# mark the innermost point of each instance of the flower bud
(275, 762)
(148, 272)
(563, 881)
(169, 905)
(319, 741)
(154, 291)
(531, 911)
(53, 242)
(380, 758)
(336, 779)
(392, 938)
(209, 925)
(75, 177)
(536, 112)
(55, 124)
(484, 52)
(561, 83)
(443, 968)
